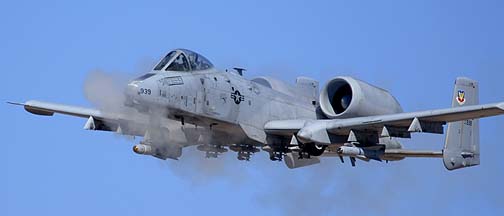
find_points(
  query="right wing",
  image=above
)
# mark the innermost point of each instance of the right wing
(124, 123)
(48, 109)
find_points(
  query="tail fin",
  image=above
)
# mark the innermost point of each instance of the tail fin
(462, 138)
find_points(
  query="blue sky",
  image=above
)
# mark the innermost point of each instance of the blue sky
(413, 48)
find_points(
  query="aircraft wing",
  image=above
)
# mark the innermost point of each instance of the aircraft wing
(48, 109)
(97, 120)
(395, 125)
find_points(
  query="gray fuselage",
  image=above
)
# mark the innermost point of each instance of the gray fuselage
(234, 108)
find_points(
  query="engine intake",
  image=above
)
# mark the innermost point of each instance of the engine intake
(346, 97)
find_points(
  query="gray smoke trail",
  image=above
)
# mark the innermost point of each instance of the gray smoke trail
(106, 90)
(329, 187)
(200, 171)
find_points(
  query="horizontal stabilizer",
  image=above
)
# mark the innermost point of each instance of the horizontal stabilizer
(413, 153)
(399, 154)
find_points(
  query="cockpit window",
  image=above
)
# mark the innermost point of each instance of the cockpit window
(183, 60)
(197, 61)
(179, 64)
(165, 60)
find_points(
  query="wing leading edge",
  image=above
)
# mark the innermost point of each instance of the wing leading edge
(126, 123)
(48, 109)
(429, 120)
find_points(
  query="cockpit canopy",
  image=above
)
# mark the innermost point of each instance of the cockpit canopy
(183, 60)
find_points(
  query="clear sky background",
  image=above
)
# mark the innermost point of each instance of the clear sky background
(50, 166)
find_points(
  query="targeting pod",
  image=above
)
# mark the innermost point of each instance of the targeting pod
(143, 149)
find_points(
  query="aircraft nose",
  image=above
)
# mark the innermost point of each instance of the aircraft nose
(131, 93)
(132, 89)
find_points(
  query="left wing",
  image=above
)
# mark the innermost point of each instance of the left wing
(396, 125)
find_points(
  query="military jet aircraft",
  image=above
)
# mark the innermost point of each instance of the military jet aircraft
(219, 110)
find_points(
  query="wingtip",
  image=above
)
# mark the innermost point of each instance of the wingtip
(15, 103)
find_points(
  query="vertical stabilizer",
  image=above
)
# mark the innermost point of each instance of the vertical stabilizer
(462, 138)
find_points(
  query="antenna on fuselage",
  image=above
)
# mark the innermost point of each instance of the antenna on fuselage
(239, 70)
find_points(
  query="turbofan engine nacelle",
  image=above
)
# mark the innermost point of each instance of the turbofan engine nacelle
(346, 97)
